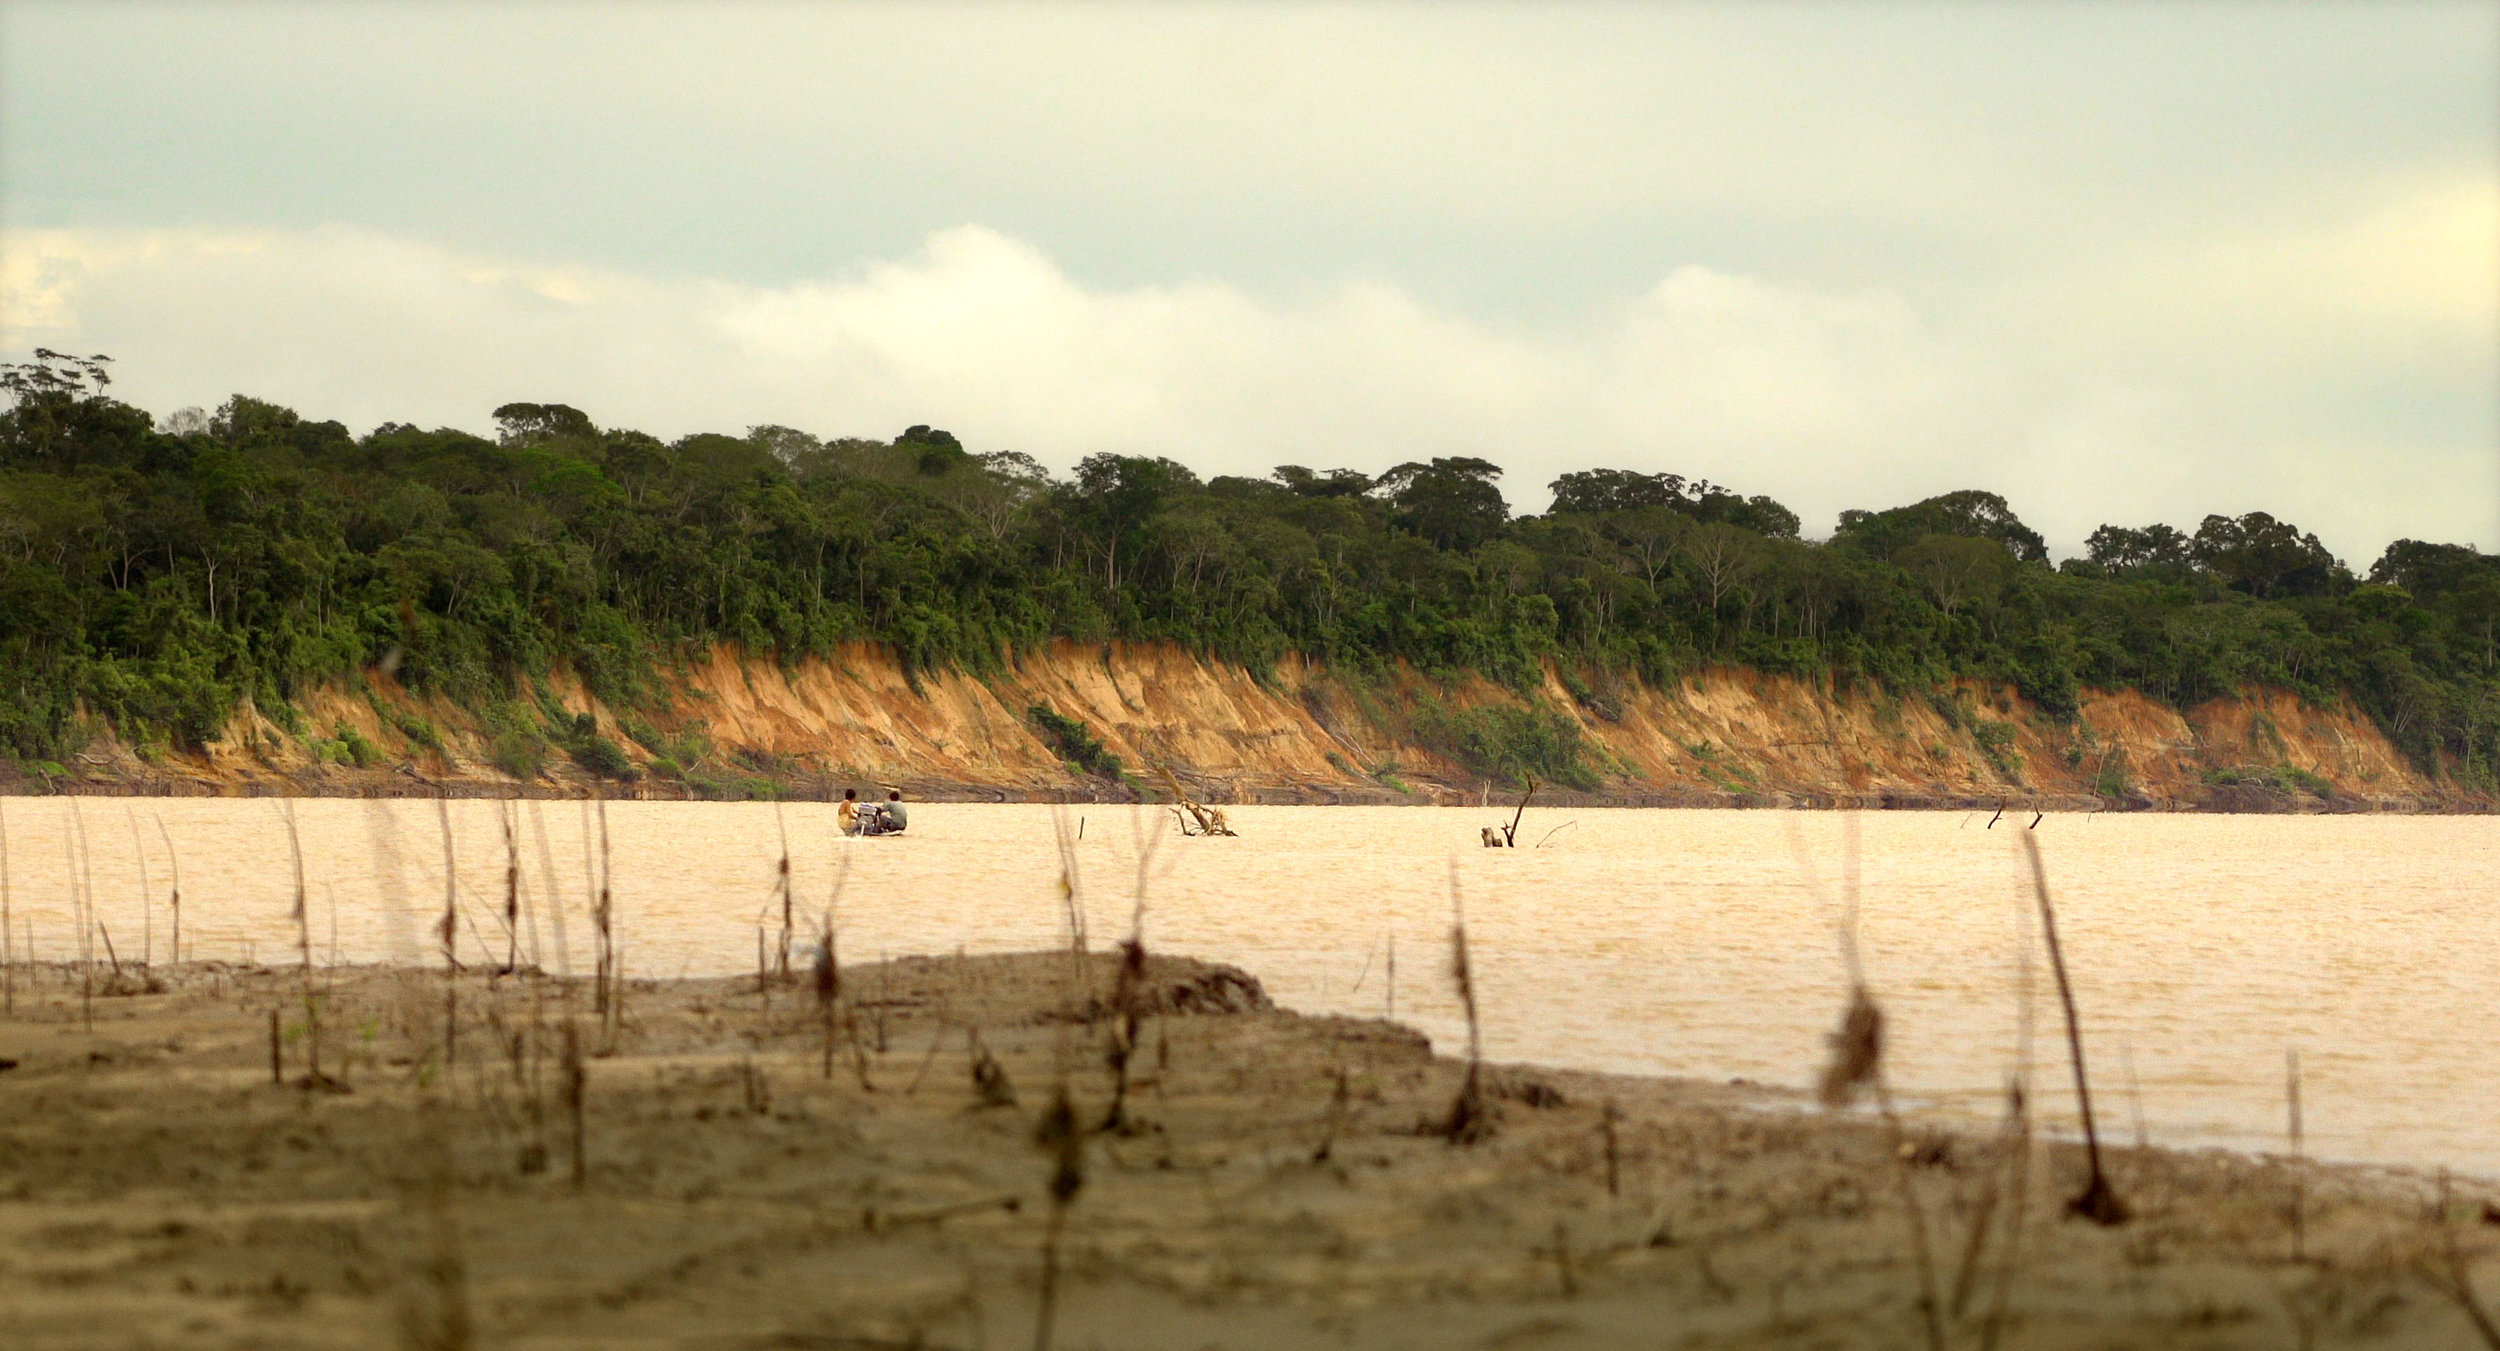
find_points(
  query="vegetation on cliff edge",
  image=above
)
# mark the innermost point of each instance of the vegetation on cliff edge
(157, 573)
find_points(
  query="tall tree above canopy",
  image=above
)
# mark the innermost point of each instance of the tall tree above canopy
(531, 423)
(1116, 496)
(1590, 491)
(1302, 482)
(2265, 557)
(2122, 550)
(1595, 491)
(1970, 514)
(935, 451)
(1449, 501)
(61, 419)
(2428, 570)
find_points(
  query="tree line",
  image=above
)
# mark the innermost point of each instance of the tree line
(156, 573)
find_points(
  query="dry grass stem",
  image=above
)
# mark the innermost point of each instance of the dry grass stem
(2300, 1176)
(828, 991)
(147, 902)
(576, 1085)
(173, 859)
(1470, 1118)
(8, 931)
(2098, 1201)
(781, 885)
(448, 933)
(1857, 1051)
(1061, 1134)
(511, 889)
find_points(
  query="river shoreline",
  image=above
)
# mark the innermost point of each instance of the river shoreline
(1276, 1180)
(2237, 799)
(727, 724)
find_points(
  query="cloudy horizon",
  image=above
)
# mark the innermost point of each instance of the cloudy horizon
(2120, 264)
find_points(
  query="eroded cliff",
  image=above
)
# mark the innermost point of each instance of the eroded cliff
(728, 724)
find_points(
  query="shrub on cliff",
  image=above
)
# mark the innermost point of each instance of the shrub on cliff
(1076, 743)
(1508, 742)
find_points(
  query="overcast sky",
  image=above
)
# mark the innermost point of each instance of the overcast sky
(2120, 262)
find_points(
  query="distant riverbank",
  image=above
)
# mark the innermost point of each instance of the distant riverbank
(1106, 722)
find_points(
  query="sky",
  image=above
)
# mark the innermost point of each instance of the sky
(2122, 263)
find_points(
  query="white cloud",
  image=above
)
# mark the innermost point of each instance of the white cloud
(1825, 400)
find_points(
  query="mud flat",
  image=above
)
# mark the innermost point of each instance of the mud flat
(754, 1173)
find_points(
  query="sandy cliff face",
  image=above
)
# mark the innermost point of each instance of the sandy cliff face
(1308, 734)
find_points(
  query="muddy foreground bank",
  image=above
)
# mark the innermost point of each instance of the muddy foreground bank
(1277, 1181)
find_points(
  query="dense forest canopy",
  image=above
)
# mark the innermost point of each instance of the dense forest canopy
(158, 573)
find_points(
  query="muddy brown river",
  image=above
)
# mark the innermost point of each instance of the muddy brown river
(1701, 943)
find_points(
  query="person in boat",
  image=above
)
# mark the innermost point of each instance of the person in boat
(847, 815)
(889, 816)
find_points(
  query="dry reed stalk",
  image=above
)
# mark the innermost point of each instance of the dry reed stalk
(2018, 1183)
(574, 1091)
(1470, 1120)
(173, 857)
(832, 958)
(8, 932)
(1122, 1043)
(1562, 1261)
(554, 906)
(2135, 1098)
(1060, 1133)
(147, 903)
(1606, 1120)
(1340, 1102)
(1921, 1250)
(616, 999)
(1129, 986)
(828, 992)
(1966, 1275)
(440, 1320)
(277, 1051)
(590, 906)
(2449, 1273)
(989, 1078)
(511, 889)
(1069, 890)
(2291, 1094)
(73, 838)
(781, 883)
(1857, 1051)
(537, 1076)
(937, 1039)
(2098, 1202)
(450, 932)
(884, 999)
(303, 946)
(1858, 1063)
(603, 914)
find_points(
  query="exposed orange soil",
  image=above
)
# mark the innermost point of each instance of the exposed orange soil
(1306, 733)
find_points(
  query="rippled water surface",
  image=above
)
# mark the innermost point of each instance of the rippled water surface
(1679, 942)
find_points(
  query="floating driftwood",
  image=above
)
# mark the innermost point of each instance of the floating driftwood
(1507, 837)
(1195, 819)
